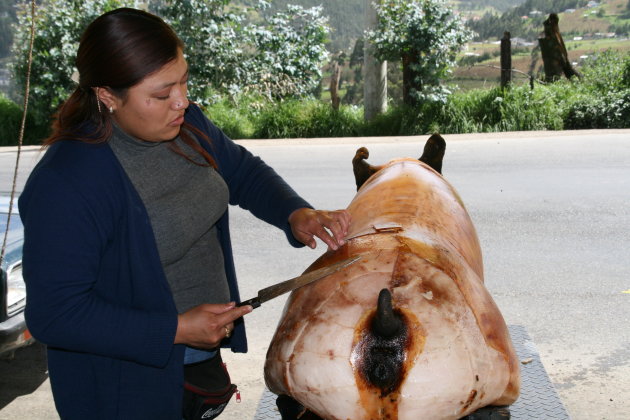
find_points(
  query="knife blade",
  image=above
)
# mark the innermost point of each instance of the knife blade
(281, 288)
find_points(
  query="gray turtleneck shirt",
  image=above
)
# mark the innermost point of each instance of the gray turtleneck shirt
(184, 201)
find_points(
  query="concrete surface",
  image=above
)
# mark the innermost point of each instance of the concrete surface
(551, 211)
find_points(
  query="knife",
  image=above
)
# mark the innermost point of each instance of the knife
(288, 285)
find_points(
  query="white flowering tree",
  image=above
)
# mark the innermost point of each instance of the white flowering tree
(425, 35)
(213, 44)
(226, 50)
(229, 53)
(289, 52)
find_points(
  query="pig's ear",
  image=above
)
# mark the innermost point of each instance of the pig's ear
(361, 168)
(434, 152)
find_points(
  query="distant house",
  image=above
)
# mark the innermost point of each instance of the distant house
(592, 4)
(520, 42)
(569, 11)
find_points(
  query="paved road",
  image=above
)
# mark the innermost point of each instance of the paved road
(551, 211)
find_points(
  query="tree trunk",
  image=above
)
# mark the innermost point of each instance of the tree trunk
(554, 53)
(375, 72)
(335, 75)
(410, 82)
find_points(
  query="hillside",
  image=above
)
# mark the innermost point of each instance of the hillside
(586, 30)
(346, 18)
(489, 18)
(577, 18)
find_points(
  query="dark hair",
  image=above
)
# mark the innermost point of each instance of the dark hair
(118, 50)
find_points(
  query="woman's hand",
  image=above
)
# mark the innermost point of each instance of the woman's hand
(307, 223)
(204, 326)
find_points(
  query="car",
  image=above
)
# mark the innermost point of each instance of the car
(13, 331)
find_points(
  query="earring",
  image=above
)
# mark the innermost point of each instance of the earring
(98, 101)
(111, 109)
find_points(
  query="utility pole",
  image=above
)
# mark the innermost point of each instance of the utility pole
(375, 72)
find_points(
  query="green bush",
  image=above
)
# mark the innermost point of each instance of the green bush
(604, 72)
(604, 111)
(395, 121)
(490, 110)
(236, 122)
(601, 99)
(284, 119)
(471, 112)
(307, 119)
(10, 122)
(326, 122)
(10, 118)
(524, 109)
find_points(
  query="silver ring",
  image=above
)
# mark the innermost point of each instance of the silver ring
(227, 332)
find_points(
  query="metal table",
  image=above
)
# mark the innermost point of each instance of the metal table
(538, 399)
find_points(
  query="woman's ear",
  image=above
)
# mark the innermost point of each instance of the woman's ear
(106, 97)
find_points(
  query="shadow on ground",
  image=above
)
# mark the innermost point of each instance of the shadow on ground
(22, 374)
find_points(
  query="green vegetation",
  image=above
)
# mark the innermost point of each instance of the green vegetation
(409, 32)
(601, 99)
(10, 122)
(280, 57)
(60, 24)
(346, 19)
(576, 19)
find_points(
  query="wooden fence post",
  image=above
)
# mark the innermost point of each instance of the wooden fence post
(506, 60)
(334, 85)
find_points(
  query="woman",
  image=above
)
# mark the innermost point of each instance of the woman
(127, 254)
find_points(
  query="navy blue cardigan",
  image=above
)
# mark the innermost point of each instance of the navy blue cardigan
(97, 294)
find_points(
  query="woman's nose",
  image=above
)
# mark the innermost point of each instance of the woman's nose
(180, 101)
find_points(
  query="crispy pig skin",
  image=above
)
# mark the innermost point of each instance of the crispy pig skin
(417, 240)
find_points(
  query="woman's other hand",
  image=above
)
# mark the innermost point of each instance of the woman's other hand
(204, 326)
(329, 226)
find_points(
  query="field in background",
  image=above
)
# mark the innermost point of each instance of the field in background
(486, 74)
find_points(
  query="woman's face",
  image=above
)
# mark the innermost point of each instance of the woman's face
(154, 108)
